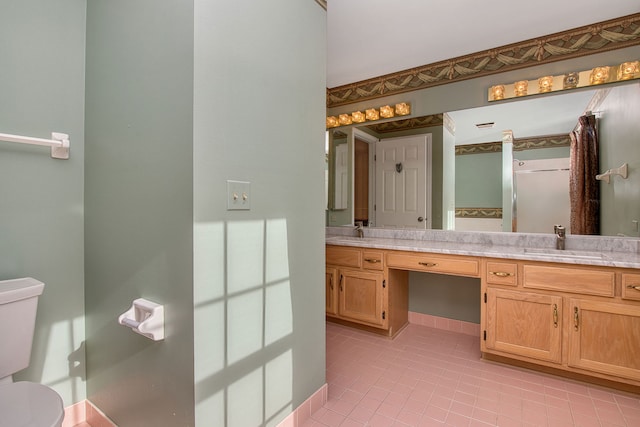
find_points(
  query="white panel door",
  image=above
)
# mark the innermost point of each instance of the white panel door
(403, 182)
(342, 177)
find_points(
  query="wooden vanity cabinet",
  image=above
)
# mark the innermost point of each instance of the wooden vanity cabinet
(573, 318)
(362, 297)
(362, 292)
(604, 337)
(526, 324)
(331, 294)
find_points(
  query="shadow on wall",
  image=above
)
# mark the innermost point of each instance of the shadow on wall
(58, 338)
(243, 323)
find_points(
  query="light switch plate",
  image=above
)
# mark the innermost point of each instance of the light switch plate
(238, 195)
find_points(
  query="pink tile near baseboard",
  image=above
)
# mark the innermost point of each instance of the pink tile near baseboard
(75, 414)
(303, 412)
(85, 412)
(452, 325)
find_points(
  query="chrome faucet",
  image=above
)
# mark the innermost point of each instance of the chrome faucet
(561, 236)
(359, 229)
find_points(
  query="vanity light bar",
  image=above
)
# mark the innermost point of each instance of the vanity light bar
(369, 115)
(596, 76)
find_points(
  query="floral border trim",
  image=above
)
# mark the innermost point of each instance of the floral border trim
(600, 37)
(482, 148)
(408, 124)
(519, 144)
(549, 141)
(478, 213)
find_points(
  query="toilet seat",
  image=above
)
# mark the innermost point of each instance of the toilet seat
(26, 404)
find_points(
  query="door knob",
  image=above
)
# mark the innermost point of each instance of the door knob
(420, 219)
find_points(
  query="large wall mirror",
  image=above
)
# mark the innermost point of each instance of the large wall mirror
(478, 182)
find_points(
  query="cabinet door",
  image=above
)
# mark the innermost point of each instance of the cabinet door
(525, 324)
(605, 337)
(362, 297)
(331, 287)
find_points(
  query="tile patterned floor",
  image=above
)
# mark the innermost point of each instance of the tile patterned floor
(431, 377)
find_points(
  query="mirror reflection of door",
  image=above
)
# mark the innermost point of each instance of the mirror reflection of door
(361, 182)
(403, 182)
(341, 176)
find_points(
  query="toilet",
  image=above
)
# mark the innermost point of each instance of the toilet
(22, 404)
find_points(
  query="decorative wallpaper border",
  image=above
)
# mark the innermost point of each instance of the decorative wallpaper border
(596, 38)
(549, 141)
(519, 144)
(478, 213)
(408, 124)
(482, 148)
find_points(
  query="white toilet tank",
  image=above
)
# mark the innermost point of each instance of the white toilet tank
(18, 304)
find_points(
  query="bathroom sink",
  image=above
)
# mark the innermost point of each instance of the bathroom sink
(564, 253)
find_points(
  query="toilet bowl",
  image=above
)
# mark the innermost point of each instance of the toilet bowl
(22, 404)
(25, 404)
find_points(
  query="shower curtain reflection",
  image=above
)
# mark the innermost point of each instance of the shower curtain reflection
(585, 190)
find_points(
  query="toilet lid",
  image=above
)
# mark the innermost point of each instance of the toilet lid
(25, 404)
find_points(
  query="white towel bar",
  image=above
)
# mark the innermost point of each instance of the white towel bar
(622, 171)
(59, 143)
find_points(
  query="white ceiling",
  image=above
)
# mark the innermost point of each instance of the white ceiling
(370, 38)
(535, 116)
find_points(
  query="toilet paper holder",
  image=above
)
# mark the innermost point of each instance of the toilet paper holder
(145, 318)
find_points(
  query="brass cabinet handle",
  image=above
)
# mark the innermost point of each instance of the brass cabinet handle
(372, 260)
(555, 315)
(576, 319)
(500, 273)
(428, 264)
(341, 283)
(636, 287)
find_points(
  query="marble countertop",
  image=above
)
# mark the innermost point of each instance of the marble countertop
(522, 247)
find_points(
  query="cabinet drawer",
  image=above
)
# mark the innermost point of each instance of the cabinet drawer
(434, 264)
(347, 257)
(502, 273)
(631, 286)
(372, 260)
(576, 280)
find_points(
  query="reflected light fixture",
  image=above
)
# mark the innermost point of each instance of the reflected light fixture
(628, 70)
(358, 117)
(599, 75)
(344, 119)
(520, 88)
(497, 92)
(403, 109)
(386, 112)
(571, 80)
(369, 115)
(332, 122)
(545, 84)
(372, 114)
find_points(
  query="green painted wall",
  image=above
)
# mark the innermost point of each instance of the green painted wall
(452, 297)
(138, 207)
(41, 199)
(479, 180)
(258, 116)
